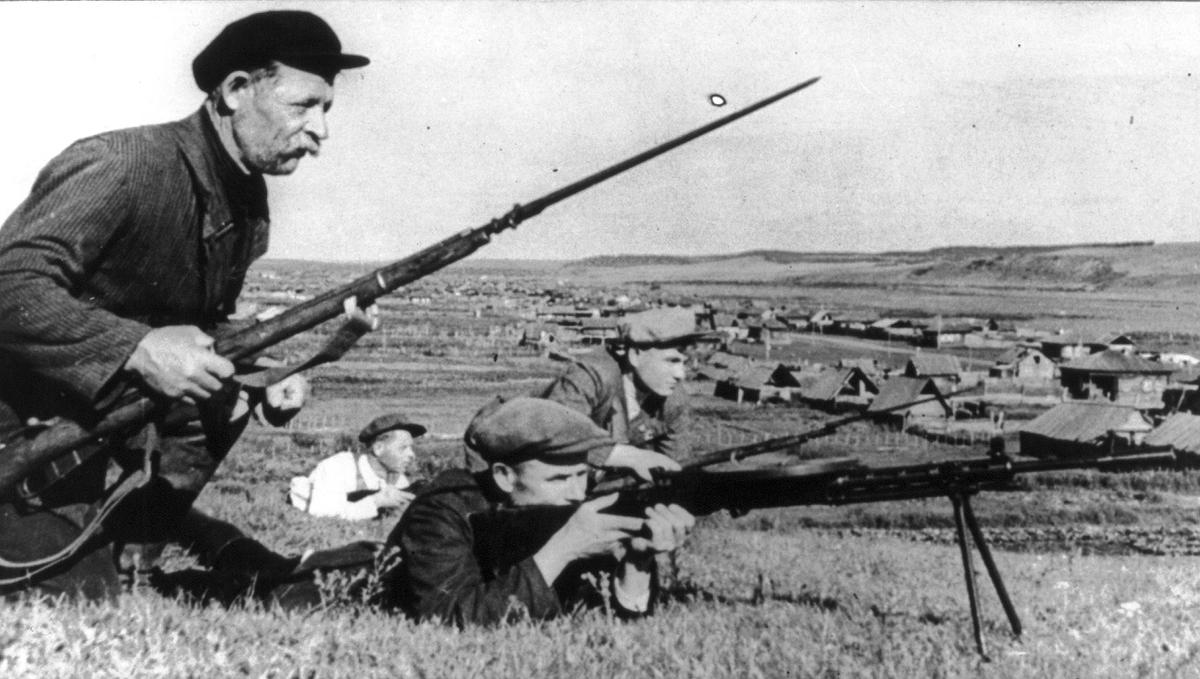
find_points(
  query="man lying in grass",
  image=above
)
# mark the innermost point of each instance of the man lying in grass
(536, 453)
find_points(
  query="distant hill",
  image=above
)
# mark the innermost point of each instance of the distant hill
(1081, 266)
(772, 256)
(793, 257)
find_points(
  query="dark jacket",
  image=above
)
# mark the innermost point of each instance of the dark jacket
(122, 232)
(593, 385)
(443, 576)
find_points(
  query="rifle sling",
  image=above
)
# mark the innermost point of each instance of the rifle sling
(341, 341)
(116, 494)
(256, 378)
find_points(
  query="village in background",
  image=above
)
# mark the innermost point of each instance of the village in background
(1032, 385)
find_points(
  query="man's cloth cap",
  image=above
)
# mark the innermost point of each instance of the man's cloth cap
(668, 327)
(299, 39)
(389, 422)
(527, 428)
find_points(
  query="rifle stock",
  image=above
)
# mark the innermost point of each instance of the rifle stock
(22, 456)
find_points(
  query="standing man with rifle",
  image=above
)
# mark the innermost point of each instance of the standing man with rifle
(128, 254)
(635, 388)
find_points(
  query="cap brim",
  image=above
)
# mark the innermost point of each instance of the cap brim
(682, 340)
(416, 430)
(330, 61)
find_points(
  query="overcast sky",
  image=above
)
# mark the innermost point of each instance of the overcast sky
(933, 124)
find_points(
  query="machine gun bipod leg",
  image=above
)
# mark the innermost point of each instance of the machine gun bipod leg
(964, 520)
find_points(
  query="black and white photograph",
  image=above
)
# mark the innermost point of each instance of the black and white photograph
(612, 338)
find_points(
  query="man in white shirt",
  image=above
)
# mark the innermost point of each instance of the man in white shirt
(358, 485)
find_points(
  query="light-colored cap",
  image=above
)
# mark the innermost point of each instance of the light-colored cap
(672, 326)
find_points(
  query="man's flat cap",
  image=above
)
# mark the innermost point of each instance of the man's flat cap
(389, 422)
(299, 39)
(527, 428)
(668, 327)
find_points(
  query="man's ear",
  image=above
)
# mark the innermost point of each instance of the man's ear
(504, 476)
(234, 89)
(633, 357)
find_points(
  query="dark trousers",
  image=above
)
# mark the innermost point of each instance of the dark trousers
(30, 536)
(188, 454)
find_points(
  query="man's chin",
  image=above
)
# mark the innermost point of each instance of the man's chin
(282, 169)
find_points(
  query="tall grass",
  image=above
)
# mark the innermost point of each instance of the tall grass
(751, 605)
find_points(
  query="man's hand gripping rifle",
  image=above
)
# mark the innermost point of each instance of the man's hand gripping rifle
(58, 438)
(703, 491)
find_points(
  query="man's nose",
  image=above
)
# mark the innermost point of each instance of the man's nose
(316, 125)
(577, 492)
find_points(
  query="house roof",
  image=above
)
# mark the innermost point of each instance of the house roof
(927, 364)
(1110, 361)
(1072, 340)
(724, 359)
(898, 391)
(950, 328)
(1014, 354)
(1181, 431)
(1085, 422)
(713, 373)
(782, 376)
(827, 386)
(753, 377)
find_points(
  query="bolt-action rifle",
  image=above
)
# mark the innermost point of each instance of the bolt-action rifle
(507, 536)
(828, 428)
(62, 438)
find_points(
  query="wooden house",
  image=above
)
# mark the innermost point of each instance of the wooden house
(837, 390)
(1025, 364)
(1084, 429)
(1117, 377)
(599, 331)
(946, 334)
(909, 400)
(1068, 347)
(752, 385)
(1117, 342)
(943, 367)
(820, 320)
(1181, 431)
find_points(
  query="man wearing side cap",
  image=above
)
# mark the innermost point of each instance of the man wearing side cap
(128, 254)
(634, 389)
(359, 485)
(537, 453)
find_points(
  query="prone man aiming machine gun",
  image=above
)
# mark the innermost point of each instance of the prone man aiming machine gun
(838, 482)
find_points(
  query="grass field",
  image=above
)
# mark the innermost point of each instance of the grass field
(751, 605)
(1101, 567)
